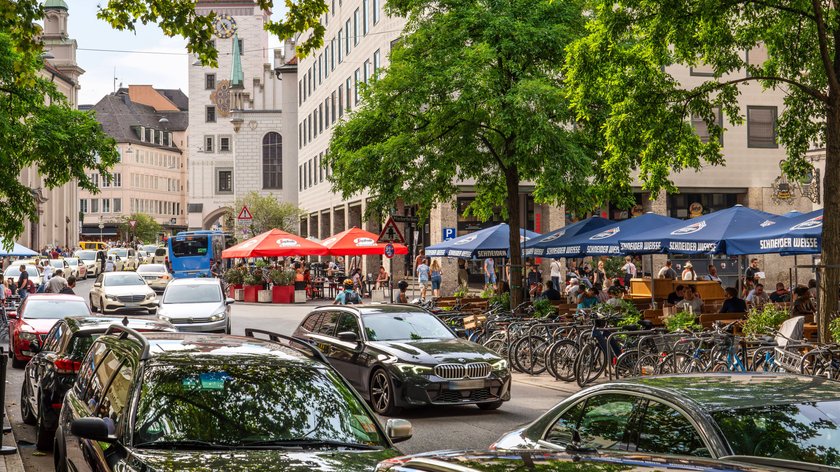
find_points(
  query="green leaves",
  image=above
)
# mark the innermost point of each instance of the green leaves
(145, 228)
(269, 213)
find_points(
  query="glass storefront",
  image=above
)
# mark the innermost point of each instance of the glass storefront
(690, 205)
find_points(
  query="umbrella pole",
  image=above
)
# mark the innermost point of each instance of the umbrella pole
(738, 279)
(795, 271)
(652, 284)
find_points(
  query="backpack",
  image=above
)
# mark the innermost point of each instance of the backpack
(352, 298)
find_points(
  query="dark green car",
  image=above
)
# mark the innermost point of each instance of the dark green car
(180, 401)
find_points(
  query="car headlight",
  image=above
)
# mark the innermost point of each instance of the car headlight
(150, 296)
(164, 318)
(413, 369)
(113, 298)
(500, 366)
(219, 315)
(29, 337)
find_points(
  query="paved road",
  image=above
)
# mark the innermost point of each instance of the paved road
(434, 428)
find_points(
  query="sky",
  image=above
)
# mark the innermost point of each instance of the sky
(157, 59)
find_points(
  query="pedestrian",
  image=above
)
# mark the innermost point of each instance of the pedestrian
(751, 275)
(348, 296)
(600, 275)
(667, 272)
(402, 296)
(558, 273)
(23, 283)
(57, 282)
(463, 275)
(109, 265)
(489, 272)
(436, 278)
(758, 297)
(551, 293)
(733, 304)
(804, 304)
(357, 281)
(781, 294)
(535, 282)
(421, 256)
(424, 278)
(71, 284)
(688, 272)
(629, 270)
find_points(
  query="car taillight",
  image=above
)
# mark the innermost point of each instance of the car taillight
(64, 365)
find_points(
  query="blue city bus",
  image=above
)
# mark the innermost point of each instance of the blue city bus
(191, 252)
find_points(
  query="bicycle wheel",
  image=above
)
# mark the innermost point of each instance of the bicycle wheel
(816, 363)
(625, 365)
(497, 345)
(590, 364)
(763, 360)
(647, 364)
(560, 359)
(680, 363)
(528, 355)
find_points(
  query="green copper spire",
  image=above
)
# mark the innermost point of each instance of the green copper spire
(237, 77)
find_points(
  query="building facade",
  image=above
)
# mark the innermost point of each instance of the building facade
(241, 136)
(150, 128)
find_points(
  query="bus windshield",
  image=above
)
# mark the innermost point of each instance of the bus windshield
(192, 247)
(191, 254)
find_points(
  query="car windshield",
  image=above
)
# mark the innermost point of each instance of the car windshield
(118, 252)
(151, 268)
(58, 264)
(72, 262)
(14, 271)
(86, 255)
(404, 326)
(55, 309)
(808, 431)
(190, 247)
(196, 293)
(160, 252)
(242, 402)
(119, 280)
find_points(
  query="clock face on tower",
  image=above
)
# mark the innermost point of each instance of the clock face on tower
(225, 26)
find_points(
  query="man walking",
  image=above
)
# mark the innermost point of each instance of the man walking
(23, 283)
(57, 282)
(71, 284)
(489, 272)
(557, 273)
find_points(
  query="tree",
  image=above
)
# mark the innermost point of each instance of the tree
(619, 83)
(145, 228)
(473, 93)
(269, 213)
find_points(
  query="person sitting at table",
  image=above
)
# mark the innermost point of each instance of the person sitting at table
(733, 304)
(781, 294)
(803, 305)
(757, 297)
(549, 293)
(382, 278)
(691, 302)
(587, 298)
(677, 295)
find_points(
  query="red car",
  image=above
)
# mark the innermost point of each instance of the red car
(35, 318)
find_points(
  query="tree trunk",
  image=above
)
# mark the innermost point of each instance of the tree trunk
(512, 183)
(830, 271)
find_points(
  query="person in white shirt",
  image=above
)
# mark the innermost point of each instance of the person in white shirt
(688, 273)
(629, 270)
(758, 297)
(572, 290)
(712, 275)
(558, 273)
(692, 302)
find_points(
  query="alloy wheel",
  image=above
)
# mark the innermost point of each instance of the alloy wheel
(380, 391)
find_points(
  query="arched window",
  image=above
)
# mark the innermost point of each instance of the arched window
(272, 160)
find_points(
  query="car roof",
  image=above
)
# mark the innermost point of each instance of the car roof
(194, 281)
(118, 272)
(378, 309)
(724, 391)
(55, 296)
(95, 324)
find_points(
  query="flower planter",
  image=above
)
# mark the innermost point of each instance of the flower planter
(251, 293)
(233, 288)
(282, 293)
(264, 296)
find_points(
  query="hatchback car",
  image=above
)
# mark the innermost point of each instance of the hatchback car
(402, 356)
(77, 267)
(52, 371)
(196, 305)
(122, 292)
(187, 401)
(28, 327)
(155, 275)
(744, 417)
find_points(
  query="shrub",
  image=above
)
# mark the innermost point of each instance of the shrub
(834, 328)
(282, 277)
(502, 299)
(235, 276)
(758, 321)
(460, 292)
(681, 321)
(543, 308)
(487, 292)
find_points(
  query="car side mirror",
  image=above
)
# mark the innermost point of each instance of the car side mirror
(12, 315)
(97, 284)
(348, 337)
(399, 430)
(91, 428)
(229, 301)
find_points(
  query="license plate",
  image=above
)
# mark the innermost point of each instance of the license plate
(466, 385)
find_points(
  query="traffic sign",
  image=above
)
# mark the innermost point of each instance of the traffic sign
(390, 233)
(245, 214)
(448, 233)
(389, 250)
(133, 223)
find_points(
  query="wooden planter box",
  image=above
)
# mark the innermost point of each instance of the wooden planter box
(232, 289)
(282, 293)
(264, 296)
(251, 293)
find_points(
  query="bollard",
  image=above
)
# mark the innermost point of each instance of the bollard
(4, 360)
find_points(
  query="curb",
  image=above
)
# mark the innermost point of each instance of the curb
(13, 462)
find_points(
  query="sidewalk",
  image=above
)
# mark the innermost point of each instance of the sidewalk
(11, 462)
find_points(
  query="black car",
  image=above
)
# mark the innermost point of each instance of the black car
(401, 356)
(194, 401)
(52, 371)
(780, 419)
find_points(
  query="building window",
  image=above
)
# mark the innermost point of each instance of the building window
(321, 167)
(300, 92)
(224, 181)
(340, 49)
(224, 144)
(320, 70)
(94, 205)
(83, 205)
(327, 52)
(210, 114)
(376, 63)
(320, 118)
(358, 78)
(309, 178)
(375, 11)
(310, 127)
(209, 81)
(347, 95)
(702, 70)
(272, 161)
(332, 107)
(332, 54)
(327, 112)
(106, 205)
(317, 163)
(300, 177)
(366, 69)
(148, 135)
(340, 101)
(347, 36)
(241, 46)
(106, 181)
(208, 143)
(365, 17)
(95, 178)
(315, 121)
(761, 127)
(117, 180)
(300, 135)
(700, 126)
(356, 27)
(117, 205)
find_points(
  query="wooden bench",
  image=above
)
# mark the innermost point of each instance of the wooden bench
(654, 316)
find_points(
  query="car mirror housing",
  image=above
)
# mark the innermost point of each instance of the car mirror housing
(91, 428)
(399, 430)
(229, 301)
(97, 284)
(348, 337)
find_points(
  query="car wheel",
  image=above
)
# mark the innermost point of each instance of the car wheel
(43, 437)
(382, 393)
(490, 406)
(59, 461)
(25, 407)
(93, 307)
(102, 305)
(227, 328)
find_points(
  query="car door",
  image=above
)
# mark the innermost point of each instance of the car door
(112, 407)
(664, 430)
(603, 421)
(347, 357)
(325, 332)
(41, 362)
(77, 404)
(96, 293)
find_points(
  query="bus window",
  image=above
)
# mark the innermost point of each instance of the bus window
(192, 247)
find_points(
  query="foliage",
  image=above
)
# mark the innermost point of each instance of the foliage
(38, 127)
(770, 316)
(612, 267)
(625, 79)
(235, 276)
(473, 93)
(632, 315)
(834, 327)
(261, 263)
(145, 229)
(681, 321)
(460, 292)
(270, 213)
(501, 299)
(543, 308)
(282, 277)
(254, 278)
(487, 292)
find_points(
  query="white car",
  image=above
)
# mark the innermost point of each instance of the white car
(13, 271)
(196, 305)
(124, 258)
(91, 261)
(77, 267)
(155, 275)
(64, 266)
(122, 292)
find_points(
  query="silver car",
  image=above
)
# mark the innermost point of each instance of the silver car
(122, 292)
(155, 275)
(196, 305)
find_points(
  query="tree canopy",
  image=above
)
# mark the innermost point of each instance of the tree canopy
(619, 82)
(145, 228)
(269, 213)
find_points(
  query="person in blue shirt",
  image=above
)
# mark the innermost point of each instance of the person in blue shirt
(588, 298)
(348, 296)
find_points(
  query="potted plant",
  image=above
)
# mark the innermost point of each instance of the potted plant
(770, 316)
(681, 321)
(253, 284)
(235, 279)
(543, 308)
(283, 289)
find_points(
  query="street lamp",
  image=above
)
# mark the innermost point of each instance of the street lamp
(101, 225)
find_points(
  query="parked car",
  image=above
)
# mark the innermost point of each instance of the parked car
(490, 461)
(94, 261)
(155, 275)
(196, 305)
(63, 265)
(13, 271)
(161, 256)
(189, 401)
(122, 292)
(402, 356)
(77, 268)
(33, 320)
(124, 258)
(747, 417)
(52, 371)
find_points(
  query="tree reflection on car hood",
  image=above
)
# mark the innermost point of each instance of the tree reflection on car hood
(240, 460)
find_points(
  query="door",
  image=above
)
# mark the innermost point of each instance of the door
(664, 430)
(346, 357)
(604, 422)
(90, 382)
(37, 367)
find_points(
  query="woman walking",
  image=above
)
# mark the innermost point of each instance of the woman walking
(436, 278)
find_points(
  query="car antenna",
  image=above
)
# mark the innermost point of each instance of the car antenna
(125, 321)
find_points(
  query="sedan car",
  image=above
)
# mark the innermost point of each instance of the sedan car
(52, 371)
(122, 292)
(402, 356)
(155, 275)
(77, 267)
(124, 258)
(94, 261)
(13, 271)
(28, 327)
(196, 305)
(190, 401)
(744, 417)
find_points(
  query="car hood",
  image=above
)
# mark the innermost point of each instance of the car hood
(256, 460)
(128, 290)
(189, 310)
(41, 325)
(436, 351)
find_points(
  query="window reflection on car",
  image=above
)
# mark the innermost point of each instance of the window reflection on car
(121, 280)
(55, 309)
(402, 326)
(151, 268)
(199, 293)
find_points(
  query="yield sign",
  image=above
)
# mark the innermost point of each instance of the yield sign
(390, 233)
(133, 223)
(245, 214)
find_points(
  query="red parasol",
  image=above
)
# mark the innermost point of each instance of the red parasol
(358, 242)
(275, 243)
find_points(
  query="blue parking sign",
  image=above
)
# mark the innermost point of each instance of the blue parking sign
(448, 233)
